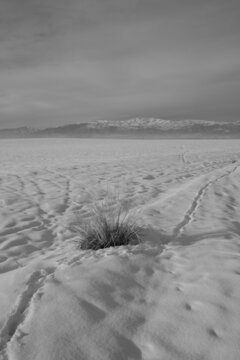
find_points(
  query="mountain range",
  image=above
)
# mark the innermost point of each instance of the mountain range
(135, 128)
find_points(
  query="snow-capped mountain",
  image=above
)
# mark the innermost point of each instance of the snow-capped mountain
(164, 125)
(137, 127)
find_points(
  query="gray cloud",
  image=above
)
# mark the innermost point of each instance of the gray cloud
(67, 61)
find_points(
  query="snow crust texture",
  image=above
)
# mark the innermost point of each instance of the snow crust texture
(175, 296)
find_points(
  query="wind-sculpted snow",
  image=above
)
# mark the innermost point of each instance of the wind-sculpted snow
(174, 296)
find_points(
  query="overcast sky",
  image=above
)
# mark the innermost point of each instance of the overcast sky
(68, 61)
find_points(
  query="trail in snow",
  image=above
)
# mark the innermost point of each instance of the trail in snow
(20, 308)
(189, 215)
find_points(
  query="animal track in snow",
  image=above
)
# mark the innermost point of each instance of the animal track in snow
(189, 215)
(18, 314)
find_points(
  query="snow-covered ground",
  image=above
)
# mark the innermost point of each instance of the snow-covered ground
(175, 296)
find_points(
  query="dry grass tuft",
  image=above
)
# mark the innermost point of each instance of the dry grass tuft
(114, 227)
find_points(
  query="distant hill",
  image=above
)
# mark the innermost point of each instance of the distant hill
(21, 132)
(134, 128)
